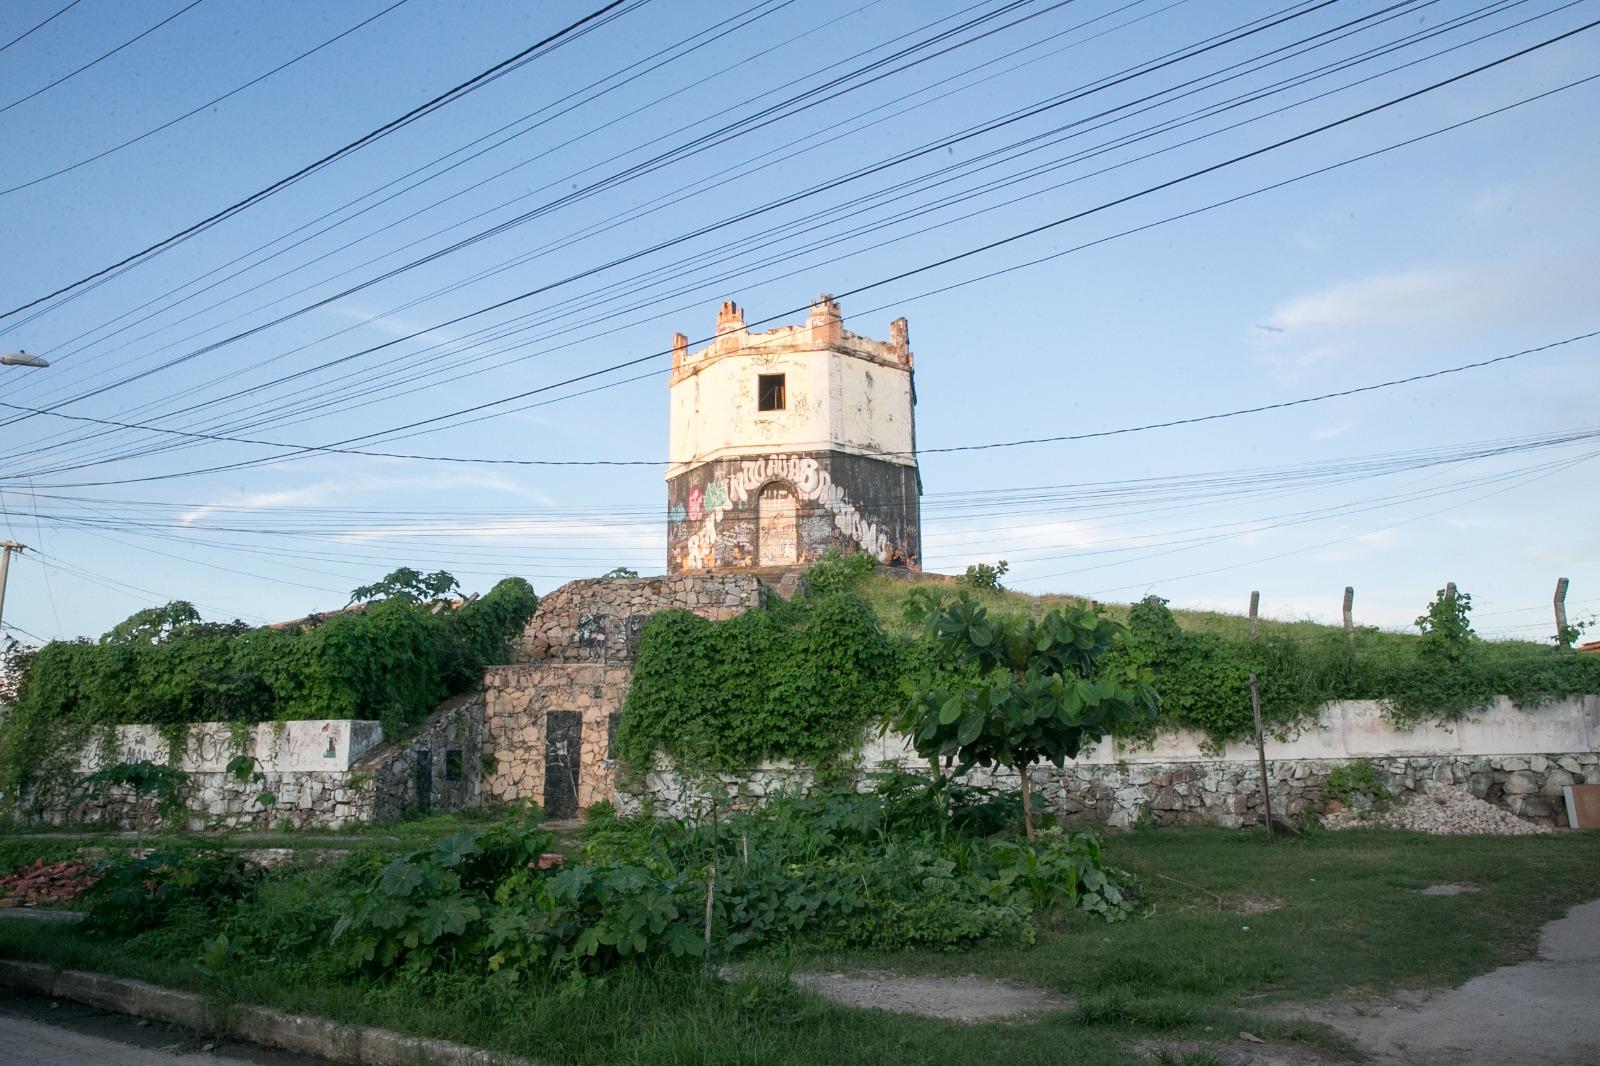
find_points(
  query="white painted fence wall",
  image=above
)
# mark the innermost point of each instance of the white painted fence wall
(1358, 729)
(317, 745)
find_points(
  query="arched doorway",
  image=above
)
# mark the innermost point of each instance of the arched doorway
(777, 534)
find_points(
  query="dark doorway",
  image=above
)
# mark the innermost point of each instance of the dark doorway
(424, 770)
(562, 742)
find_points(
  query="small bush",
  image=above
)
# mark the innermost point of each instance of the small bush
(136, 894)
(984, 576)
(1355, 784)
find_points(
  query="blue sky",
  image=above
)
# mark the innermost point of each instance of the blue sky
(1471, 244)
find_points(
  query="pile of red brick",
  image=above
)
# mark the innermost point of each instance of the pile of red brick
(46, 882)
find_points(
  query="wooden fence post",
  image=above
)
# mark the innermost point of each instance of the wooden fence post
(1563, 644)
(1261, 756)
(1349, 619)
(1255, 608)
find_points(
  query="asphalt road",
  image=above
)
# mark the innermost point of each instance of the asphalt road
(36, 1031)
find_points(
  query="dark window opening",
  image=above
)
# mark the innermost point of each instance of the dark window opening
(452, 764)
(770, 392)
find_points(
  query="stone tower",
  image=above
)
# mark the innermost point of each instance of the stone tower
(788, 442)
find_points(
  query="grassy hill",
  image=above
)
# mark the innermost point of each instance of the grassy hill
(1203, 662)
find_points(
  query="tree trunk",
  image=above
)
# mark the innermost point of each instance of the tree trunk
(1027, 806)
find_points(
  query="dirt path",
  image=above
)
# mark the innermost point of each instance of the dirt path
(958, 999)
(1543, 1012)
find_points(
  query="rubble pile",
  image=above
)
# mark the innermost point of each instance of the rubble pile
(46, 882)
(1443, 810)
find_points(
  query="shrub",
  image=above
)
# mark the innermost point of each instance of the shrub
(135, 894)
(986, 577)
(1355, 784)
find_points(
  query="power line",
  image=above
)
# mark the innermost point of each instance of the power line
(307, 449)
(788, 227)
(1146, 67)
(756, 13)
(800, 102)
(448, 96)
(390, 432)
(107, 55)
(205, 106)
(986, 446)
(533, 292)
(39, 26)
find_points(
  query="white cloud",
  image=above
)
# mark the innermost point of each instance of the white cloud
(347, 489)
(1361, 547)
(1535, 293)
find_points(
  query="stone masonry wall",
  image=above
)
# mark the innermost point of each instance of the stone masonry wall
(306, 770)
(439, 768)
(578, 652)
(600, 619)
(1173, 780)
(519, 700)
(1229, 794)
(1215, 793)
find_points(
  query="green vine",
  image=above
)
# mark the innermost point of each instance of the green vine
(394, 661)
(797, 680)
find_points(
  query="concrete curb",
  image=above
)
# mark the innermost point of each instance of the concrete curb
(337, 1042)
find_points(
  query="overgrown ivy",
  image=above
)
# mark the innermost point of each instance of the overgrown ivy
(797, 680)
(394, 661)
(1203, 678)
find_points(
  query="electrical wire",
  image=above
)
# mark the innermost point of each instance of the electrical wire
(93, 62)
(1348, 118)
(40, 25)
(448, 96)
(214, 101)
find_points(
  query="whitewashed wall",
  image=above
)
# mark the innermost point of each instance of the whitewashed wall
(317, 745)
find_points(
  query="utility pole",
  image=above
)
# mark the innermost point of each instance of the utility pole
(6, 548)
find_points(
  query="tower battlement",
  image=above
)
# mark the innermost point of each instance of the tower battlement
(823, 328)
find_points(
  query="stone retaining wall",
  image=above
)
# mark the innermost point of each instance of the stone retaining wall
(1229, 793)
(1173, 781)
(306, 769)
(439, 768)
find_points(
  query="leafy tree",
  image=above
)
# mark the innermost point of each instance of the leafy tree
(1044, 687)
(406, 585)
(1446, 627)
(162, 625)
(621, 571)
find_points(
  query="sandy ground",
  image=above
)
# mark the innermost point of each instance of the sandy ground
(1543, 1012)
(961, 999)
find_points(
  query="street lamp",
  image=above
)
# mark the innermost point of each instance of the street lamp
(22, 359)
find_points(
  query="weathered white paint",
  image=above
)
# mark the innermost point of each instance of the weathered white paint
(320, 744)
(844, 393)
(1352, 729)
(778, 539)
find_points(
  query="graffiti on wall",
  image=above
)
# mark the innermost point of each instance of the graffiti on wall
(706, 505)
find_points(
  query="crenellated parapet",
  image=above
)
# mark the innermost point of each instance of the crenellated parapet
(822, 330)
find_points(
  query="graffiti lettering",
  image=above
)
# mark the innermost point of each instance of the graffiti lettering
(811, 483)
